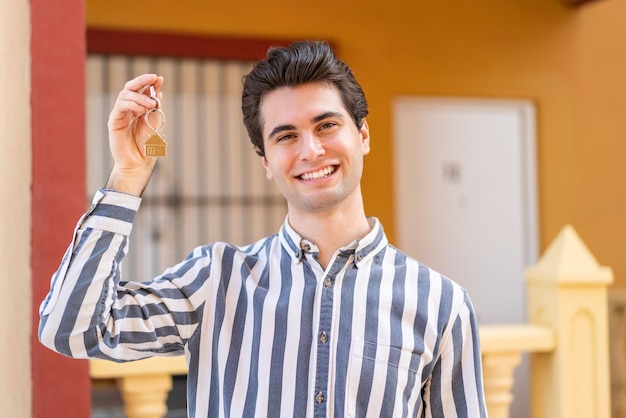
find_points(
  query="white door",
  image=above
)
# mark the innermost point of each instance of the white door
(466, 202)
(466, 195)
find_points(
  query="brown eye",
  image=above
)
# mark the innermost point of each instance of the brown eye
(284, 138)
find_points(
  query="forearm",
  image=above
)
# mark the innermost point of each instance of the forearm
(82, 288)
(91, 312)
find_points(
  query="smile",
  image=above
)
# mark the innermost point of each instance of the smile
(314, 175)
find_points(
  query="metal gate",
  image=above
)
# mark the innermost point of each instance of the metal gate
(211, 186)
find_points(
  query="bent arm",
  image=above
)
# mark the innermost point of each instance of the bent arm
(90, 312)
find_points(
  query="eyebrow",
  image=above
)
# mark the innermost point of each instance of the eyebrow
(316, 119)
(327, 115)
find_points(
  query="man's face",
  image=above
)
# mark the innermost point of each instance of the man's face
(313, 150)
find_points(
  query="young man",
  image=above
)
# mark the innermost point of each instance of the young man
(325, 318)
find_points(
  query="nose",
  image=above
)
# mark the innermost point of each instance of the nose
(311, 147)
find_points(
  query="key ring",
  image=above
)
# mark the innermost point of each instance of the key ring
(146, 119)
(155, 146)
(154, 97)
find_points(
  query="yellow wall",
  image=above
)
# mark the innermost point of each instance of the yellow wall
(568, 60)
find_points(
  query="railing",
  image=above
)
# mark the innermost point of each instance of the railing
(566, 337)
(502, 347)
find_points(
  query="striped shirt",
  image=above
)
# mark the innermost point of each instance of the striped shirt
(266, 331)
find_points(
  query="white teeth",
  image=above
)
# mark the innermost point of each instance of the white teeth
(317, 174)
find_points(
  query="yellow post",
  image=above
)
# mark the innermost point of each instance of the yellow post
(498, 370)
(145, 396)
(502, 347)
(567, 291)
(143, 384)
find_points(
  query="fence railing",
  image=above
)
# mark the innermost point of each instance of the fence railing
(566, 337)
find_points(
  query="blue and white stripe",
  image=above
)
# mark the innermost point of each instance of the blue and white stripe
(266, 331)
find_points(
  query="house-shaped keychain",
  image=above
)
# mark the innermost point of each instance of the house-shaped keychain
(155, 146)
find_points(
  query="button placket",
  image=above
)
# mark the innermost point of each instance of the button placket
(323, 337)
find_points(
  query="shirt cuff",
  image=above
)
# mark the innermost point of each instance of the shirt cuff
(112, 211)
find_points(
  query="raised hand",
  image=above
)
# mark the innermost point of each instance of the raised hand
(128, 133)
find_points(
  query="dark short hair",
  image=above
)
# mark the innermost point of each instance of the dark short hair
(297, 64)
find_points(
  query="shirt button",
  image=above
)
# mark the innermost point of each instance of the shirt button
(328, 283)
(323, 337)
(359, 257)
(306, 247)
(319, 397)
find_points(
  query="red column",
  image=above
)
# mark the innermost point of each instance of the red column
(61, 386)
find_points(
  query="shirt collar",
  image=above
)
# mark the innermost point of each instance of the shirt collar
(363, 248)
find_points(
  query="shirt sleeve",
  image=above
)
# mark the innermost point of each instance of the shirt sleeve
(90, 312)
(456, 385)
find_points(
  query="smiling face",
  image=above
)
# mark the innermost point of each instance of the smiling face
(313, 149)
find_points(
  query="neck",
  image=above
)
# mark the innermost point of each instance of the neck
(330, 229)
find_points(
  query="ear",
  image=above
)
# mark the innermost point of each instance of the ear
(268, 171)
(364, 133)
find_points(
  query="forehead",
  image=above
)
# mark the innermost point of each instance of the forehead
(286, 105)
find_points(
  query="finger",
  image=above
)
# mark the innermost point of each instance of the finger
(138, 89)
(138, 103)
(125, 115)
(139, 83)
(134, 101)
